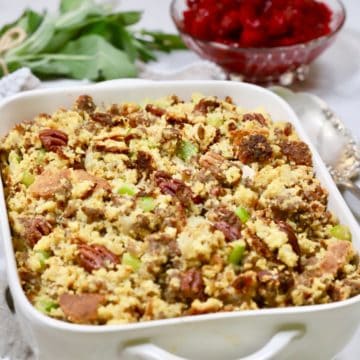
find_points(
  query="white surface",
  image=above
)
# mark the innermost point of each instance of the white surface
(227, 335)
(335, 76)
(269, 351)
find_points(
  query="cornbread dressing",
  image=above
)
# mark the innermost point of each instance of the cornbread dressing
(170, 208)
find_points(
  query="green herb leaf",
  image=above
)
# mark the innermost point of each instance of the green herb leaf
(86, 41)
(125, 18)
(162, 41)
(70, 5)
(127, 43)
(36, 42)
(29, 21)
(75, 17)
(90, 57)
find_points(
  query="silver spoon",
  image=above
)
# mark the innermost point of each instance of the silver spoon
(336, 146)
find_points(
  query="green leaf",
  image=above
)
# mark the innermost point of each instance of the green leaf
(76, 17)
(60, 39)
(127, 43)
(29, 21)
(125, 18)
(144, 52)
(162, 41)
(36, 42)
(70, 5)
(90, 57)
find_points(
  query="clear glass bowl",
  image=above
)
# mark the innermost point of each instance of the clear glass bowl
(262, 65)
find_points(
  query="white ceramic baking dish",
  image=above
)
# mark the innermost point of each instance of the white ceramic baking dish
(312, 332)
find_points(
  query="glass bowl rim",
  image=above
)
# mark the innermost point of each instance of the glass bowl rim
(311, 43)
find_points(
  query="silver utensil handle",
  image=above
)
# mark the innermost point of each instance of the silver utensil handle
(352, 187)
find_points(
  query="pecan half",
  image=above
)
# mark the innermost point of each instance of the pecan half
(212, 162)
(85, 103)
(93, 257)
(53, 140)
(230, 232)
(81, 308)
(205, 106)
(111, 146)
(175, 119)
(35, 229)
(102, 118)
(297, 152)
(254, 148)
(255, 117)
(192, 285)
(155, 110)
(174, 187)
(229, 224)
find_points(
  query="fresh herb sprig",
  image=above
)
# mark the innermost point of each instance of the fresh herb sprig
(85, 41)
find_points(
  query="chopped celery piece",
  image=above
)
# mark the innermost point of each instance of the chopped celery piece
(147, 203)
(237, 254)
(341, 232)
(132, 261)
(14, 157)
(45, 305)
(127, 190)
(214, 119)
(242, 214)
(40, 156)
(27, 178)
(42, 255)
(186, 150)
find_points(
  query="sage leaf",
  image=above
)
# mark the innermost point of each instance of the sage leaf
(90, 57)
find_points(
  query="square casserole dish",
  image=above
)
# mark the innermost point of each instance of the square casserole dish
(309, 332)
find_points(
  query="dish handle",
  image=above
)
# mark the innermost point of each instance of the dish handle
(149, 351)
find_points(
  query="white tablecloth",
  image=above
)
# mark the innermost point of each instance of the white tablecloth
(335, 76)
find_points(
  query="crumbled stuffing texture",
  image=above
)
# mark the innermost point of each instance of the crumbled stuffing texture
(128, 213)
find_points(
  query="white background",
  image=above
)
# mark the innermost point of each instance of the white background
(335, 76)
